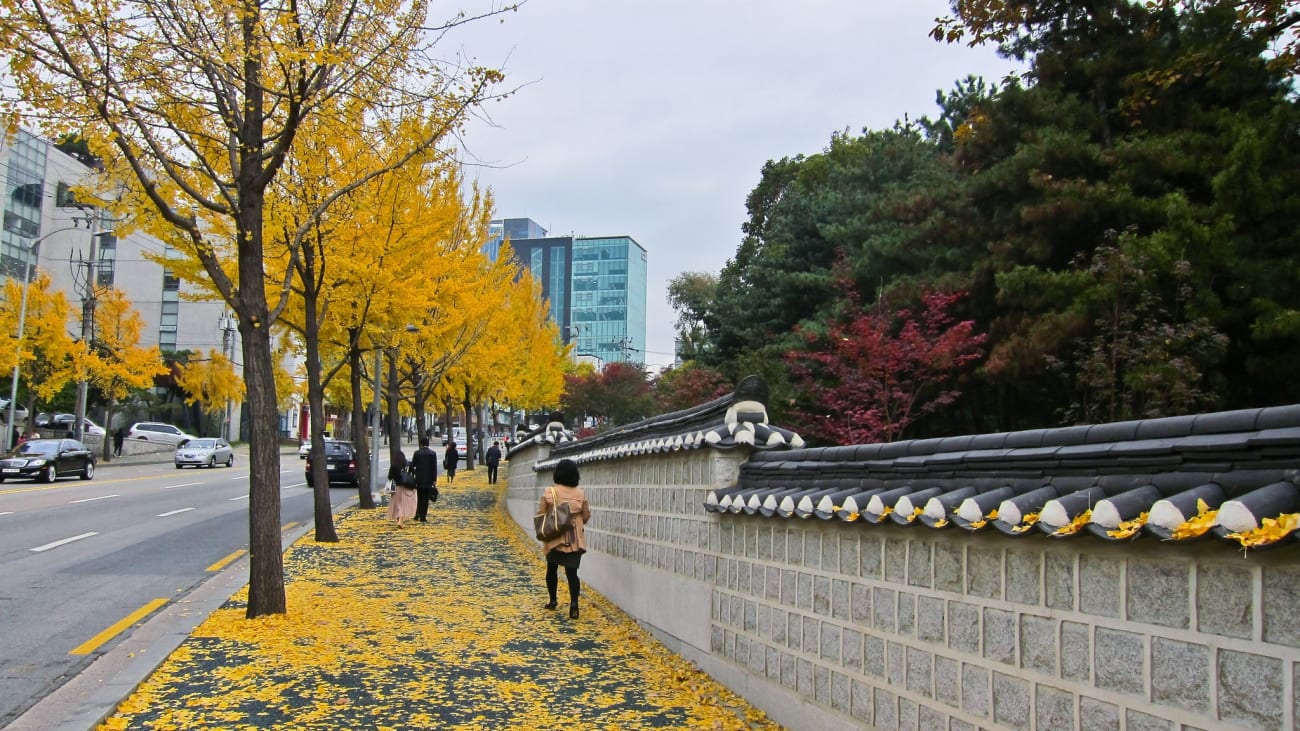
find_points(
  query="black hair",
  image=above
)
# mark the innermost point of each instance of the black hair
(424, 441)
(566, 473)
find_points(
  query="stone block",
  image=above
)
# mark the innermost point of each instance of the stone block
(1076, 651)
(956, 724)
(1053, 709)
(1095, 715)
(851, 652)
(863, 702)
(1010, 701)
(779, 620)
(930, 619)
(803, 598)
(1180, 674)
(860, 603)
(1250, 689)
(789, 582)
(906, 614)
(920, 672)
(850, 555)
(964, 627)
(715, 639)
(840, 599)
(1159, 593)
(883, 604)
(895, 559)
(1024, 576)
(841, 693)
(812, 550)
(794, 631)
(920, 563)
(807, 684)
(794, 546)
(1281, 597)
(789, 672)
(742, 650)
(1038, 644)
(874, 653)
(886, 710)
(870, 553)
(822, 684)
(947, 680)
(975, 690)
(830, 559)
(811, 641)
(949, 568)
(821, 596)
(1138, 721)
(1000, 635)
(751, 617)
(1099, 588)
(907, 713)
(927, 718)
(1225, 599)
(895, 669)
(831, 642)
(772, 664)
(1119, 661)
(780, 541)
(984, 572)
(772, 583)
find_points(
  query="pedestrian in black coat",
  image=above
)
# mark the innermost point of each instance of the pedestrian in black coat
(425, 462)
(492, 459)
(450, 459)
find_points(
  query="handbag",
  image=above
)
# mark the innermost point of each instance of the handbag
(555, 522)
(406, 478)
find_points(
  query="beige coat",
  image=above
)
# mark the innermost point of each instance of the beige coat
(576, 539)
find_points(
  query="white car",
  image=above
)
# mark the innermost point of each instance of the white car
(205, 452)
(20, 413)
(152, 431)
(304, 449)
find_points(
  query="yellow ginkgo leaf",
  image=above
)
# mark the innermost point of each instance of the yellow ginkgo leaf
(1271, 530)
(1026, 522)
(1127, 528)
(1198, 524)
(1074, 526)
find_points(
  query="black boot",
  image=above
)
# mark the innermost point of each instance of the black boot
(573, 610)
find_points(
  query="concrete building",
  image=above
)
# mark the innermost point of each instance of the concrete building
(596, 286)
(39, 205)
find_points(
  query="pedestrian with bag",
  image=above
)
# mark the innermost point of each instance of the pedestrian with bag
(492, 459)
(565, 549)
(425, 464)
(450, 459)
(402, 505)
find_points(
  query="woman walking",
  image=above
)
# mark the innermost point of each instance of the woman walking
(450, 460)
(566, 550)
(402, 505)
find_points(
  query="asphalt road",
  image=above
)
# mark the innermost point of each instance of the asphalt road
(82, 562)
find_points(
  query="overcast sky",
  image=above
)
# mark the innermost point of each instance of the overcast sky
(653, 118)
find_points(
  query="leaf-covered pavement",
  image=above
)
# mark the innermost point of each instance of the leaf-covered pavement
(432, 626)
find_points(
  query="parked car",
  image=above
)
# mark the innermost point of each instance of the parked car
(340, 463)
(20, 412)
(304, 449)
(47, 460)
(65, 421)
(205, 452)
(152, 431)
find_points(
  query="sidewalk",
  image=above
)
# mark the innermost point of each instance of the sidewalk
(431, 626)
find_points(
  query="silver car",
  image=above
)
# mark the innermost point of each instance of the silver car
(205, 452)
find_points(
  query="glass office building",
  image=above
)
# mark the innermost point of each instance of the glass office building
(596, 287)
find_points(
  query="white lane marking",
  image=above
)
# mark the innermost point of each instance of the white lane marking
(92, 499)
(183, 484)
(241, 497)
(56, 544)
(241, 477)
(7, 512)
(174, 512)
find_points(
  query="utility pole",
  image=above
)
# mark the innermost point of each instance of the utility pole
(87, 321)
(226, 323)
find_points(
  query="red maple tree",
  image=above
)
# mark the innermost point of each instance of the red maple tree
(872, 374)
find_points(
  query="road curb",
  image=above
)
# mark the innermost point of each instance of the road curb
(82, 703)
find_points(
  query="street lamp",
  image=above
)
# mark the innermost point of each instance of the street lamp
(226, 323)
(35, 251)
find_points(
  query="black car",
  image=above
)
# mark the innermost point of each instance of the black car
(47, 460)
(340, 463)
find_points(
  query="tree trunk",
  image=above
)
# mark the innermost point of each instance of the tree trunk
(359, 424)
(469, 430)
(321, 510)
(394, 428)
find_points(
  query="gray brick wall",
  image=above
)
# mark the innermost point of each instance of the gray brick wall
(895, 627)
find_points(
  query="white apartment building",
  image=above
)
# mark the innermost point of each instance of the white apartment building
(37, 206)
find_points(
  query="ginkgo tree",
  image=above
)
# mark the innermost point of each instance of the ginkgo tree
(47, 355)
(195, 108)
(116, 364)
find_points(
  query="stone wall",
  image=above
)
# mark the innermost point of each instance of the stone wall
(830, 624)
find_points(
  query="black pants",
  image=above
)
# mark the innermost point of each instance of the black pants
(423, 496)
(570, 561)
(492, 474)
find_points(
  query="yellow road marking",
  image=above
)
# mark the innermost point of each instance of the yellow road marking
(288, 525)
(227, 560)
(89, 645)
